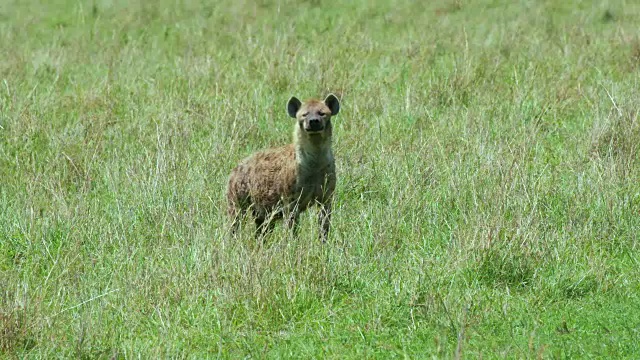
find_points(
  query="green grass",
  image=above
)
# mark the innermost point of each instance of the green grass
(488, 201)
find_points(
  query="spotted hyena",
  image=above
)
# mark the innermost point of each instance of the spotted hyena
(280, 183)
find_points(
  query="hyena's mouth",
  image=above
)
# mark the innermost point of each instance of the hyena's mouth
(314, 128)
(314, 131)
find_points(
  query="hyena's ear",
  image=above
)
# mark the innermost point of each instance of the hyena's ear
(293, 106)
(333, 103)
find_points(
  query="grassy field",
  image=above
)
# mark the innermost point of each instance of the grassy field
(488, 200)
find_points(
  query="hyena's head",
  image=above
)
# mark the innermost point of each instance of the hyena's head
(314, 116)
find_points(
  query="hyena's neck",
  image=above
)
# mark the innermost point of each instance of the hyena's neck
(313, 154)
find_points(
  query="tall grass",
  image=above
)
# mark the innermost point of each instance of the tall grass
(488, 199)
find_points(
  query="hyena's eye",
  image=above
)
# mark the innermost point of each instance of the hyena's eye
(321, 113)
(305, 114)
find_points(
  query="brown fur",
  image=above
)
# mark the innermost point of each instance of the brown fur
(282, 182)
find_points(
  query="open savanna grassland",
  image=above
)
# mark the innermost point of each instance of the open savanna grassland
(488, 198)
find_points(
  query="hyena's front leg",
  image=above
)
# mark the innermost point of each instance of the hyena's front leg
(324, 220)
(291, 220)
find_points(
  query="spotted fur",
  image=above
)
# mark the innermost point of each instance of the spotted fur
(282, 182)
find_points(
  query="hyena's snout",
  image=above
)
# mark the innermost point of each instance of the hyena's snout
(314, 125)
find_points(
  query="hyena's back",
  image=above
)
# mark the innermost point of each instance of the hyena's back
(262, 181)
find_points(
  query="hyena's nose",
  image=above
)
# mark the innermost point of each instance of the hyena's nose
(315, 125)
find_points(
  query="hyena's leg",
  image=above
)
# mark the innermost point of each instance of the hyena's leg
(291, 220)
(291, 215)
(263, 226)
(235, 213)
(324, 220)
